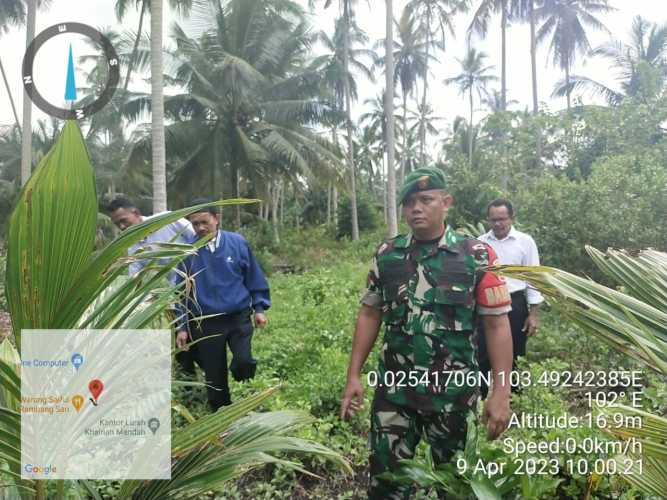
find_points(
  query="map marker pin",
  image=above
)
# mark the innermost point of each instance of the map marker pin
(95, 387)
(77, 360)
(153, 424)
(77, 401)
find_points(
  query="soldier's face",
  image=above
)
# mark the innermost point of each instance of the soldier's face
(500, 221)
(204, 223)
(125, 217)
(425, 211)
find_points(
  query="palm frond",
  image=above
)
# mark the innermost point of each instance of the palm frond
(583, 83)
(634, 327)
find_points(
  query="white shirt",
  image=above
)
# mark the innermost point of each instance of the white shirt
(214, 243)
(165, 234)
(517, 249)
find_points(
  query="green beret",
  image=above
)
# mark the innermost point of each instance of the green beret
(422, 179)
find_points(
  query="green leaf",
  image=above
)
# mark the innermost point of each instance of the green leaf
(51, 228)
(484, 489)
(10, 389)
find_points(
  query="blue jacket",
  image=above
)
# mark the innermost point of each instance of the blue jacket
(226, 280)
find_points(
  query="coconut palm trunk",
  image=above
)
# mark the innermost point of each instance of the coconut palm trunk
(334, 189)
(422, 126)
(533, 67)
(157, 105)
(392, 226)
(334, 205)
(275, 199)
(567, 82)
(26, 132)
(236, 181)
(135, 48)
(404, 156)
(329, 203)
(503, 50)
(348, 116)
(9, 93)
(470, 131)
(533, 53)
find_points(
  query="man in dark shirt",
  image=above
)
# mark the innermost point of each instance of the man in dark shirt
(227, 283)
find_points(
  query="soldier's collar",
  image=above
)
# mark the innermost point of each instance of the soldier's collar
(447, 242)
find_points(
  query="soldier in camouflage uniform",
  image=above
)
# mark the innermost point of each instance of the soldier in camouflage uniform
(427, 288)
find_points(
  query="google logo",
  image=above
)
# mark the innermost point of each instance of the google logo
(36, 469)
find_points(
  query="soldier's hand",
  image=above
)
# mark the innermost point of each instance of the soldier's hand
(182, 339)
(497, 413)
(353, 398)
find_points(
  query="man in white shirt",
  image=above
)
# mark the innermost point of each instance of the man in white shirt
(124, 214)
(515, 248)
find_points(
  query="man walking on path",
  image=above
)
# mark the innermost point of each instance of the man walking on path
(229, 284)
(427, 287)
(513, 248)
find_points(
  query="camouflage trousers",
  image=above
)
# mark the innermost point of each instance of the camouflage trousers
(395, 434)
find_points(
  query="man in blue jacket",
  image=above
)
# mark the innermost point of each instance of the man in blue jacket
(227, 283)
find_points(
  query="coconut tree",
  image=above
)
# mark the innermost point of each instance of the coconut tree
(494, 101)
(459, 141)
(249, 110)
(525, 10)
(410, 63)
(346, 6)
(409, 151)
(110, 147)
(331, 65)
(641, 65)
(347, 16)
(369, 151)
(157, 99)
(480, 26)
(121, 8)
(12, 12)
(424, 119)
(434, 18)
(26, 145)
(473, 79)
(632, 319)
(392, 226)
(157, 111)
(17, 12)
(565, 23)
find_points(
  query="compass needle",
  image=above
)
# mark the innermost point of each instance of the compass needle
(70, 86)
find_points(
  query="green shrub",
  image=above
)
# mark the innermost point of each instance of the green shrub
(622, 205)
(366, 213)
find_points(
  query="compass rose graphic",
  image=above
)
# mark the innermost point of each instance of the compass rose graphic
(77, 113)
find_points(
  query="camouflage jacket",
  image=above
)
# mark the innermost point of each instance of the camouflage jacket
(429, 295)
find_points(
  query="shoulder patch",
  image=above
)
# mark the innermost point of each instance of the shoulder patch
(473, 245)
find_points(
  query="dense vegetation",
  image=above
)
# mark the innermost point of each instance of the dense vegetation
(305, 349)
